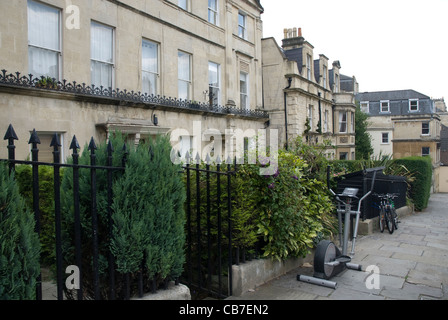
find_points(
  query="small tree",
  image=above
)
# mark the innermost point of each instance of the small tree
(363, 140)
(19, 243)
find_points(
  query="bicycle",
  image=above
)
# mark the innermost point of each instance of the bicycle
(387, 215)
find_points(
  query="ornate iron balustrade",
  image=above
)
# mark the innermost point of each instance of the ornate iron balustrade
(47, 83)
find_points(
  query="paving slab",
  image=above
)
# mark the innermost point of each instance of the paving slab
(412, 264)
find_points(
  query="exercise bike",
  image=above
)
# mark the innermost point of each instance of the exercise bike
(329, 260)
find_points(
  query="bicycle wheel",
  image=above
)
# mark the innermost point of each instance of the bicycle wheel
(382, 220)
(389, 221)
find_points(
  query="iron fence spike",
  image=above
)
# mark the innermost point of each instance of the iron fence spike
(34, 138)
(218, 159)
(10, 133)
(74, 145)
(92, 145)
(55, 141)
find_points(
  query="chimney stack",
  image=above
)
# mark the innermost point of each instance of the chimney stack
(292, 38)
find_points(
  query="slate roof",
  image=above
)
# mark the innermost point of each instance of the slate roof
(295, 55)
(390, 95)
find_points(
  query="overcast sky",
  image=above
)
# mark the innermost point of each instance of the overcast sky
(385, 44)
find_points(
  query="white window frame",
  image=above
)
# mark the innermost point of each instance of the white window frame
(429, 151)
(187, 80)
(34, 46)
(352, 122)
(385, 135)
(244, 96)
(364, 106)
(342, 122)
(153, 73)
(310, 117)
(242, 25)
(336, 83)
(308, 66)
(326, 121)
(213, 14)
(109, 64)
(216, 87)
(411, 101)
(424, 129)
(388, 106)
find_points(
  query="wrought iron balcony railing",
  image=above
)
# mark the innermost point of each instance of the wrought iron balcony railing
(64, 86)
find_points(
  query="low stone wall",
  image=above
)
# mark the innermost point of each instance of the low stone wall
(252, 274)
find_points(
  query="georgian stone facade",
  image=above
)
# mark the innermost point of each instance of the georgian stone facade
(304, 95)
(203, 58)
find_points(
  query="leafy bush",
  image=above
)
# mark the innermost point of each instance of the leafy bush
(19, 243)
(293, 209)
(421, 170)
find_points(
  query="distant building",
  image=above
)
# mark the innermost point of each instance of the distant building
(308, 97)
(404, 123)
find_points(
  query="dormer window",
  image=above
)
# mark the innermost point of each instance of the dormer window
(384, 106)
(413, 105)
(308, 67)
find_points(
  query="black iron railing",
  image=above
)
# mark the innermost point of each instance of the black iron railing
(209, 226)
(209, 255)
(46, 83)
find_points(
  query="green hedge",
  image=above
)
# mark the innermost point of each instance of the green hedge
(421, 169)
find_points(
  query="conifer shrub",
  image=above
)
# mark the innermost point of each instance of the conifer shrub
(148, 214)
(147, 218)
(19, 243)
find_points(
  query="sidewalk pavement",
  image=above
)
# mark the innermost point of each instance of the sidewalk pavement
(412, 264)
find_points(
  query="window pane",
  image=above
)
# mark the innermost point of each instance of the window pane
(214, 85)
(101, 74)
(242, 26)
(184, 66)
(101, 43)
(182, 4)
(43, 26)
(43, 62)
(184, 90)
(149, 83)
(343, 122)
(244, 90)
(150, 56)
(213, 11)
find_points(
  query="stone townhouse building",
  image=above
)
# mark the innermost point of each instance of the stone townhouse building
(308, 97)
(404, 123)
(89, 67)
